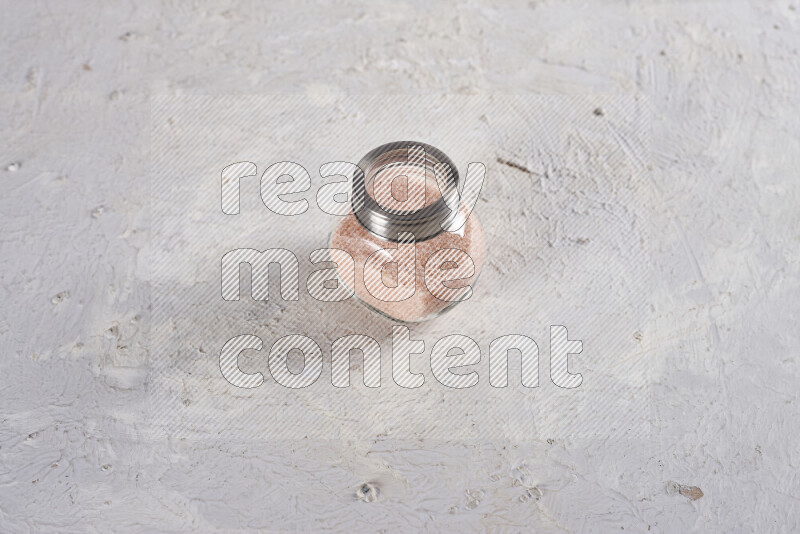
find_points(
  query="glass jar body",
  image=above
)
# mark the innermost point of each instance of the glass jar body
(429, 299)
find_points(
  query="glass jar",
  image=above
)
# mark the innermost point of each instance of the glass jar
(416, 247)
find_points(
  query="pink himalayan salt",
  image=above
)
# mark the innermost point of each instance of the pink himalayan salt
(351, 236)
(404, 188)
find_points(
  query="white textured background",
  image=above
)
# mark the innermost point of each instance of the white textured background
(77, 451)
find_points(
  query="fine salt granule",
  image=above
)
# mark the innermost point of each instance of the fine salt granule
(407, 188)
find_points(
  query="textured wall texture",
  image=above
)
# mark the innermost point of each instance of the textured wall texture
(681, 128)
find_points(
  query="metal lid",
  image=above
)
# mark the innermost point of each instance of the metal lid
(423, 223)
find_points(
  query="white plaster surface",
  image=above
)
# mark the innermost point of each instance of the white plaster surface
(88, 438)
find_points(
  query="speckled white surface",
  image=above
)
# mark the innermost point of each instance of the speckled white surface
(77, 448)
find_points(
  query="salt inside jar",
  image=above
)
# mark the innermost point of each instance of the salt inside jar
(417, 248)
